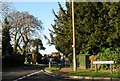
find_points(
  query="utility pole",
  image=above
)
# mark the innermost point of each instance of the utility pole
(74, 46)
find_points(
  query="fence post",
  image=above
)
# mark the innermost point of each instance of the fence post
(96, 68)
(49, 64)
(110, 68)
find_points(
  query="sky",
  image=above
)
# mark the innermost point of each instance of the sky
(43, 11)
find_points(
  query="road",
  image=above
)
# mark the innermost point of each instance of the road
(23, 74)
(10, 74)
(42, 76)
(35, 73)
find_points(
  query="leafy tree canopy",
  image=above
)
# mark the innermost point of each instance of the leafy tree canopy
(97, 26)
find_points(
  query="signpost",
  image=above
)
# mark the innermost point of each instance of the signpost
(50, 60)
(103, 62)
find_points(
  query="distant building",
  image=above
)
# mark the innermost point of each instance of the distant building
(55, 54)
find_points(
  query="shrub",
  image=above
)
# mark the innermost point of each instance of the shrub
(108, 55)
(70, 57)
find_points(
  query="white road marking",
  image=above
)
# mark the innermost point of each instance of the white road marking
(28, 75)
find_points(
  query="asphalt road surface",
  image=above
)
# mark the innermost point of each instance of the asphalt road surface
(10, 74)
(43, 76)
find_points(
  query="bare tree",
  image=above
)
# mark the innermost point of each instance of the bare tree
(23, 27)
(5, 9)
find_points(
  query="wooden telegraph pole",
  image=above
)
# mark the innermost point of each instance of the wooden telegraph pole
(74, 46)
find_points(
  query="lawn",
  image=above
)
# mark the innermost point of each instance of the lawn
(95, 74)
(53, 69)
(90, 73)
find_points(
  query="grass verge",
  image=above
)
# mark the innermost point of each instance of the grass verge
(95, 74)
(53, 69)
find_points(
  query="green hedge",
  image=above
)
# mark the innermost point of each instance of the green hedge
(109, 55)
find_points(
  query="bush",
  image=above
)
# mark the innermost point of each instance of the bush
(108, 55)
(70, 57)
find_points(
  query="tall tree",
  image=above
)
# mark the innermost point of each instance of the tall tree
(23, 27)
(37, 43)
(97, 26)
(61, 36)
(5, 9)
(7, 50)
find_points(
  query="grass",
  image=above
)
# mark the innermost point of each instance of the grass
(95, 74)
(53, 69)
